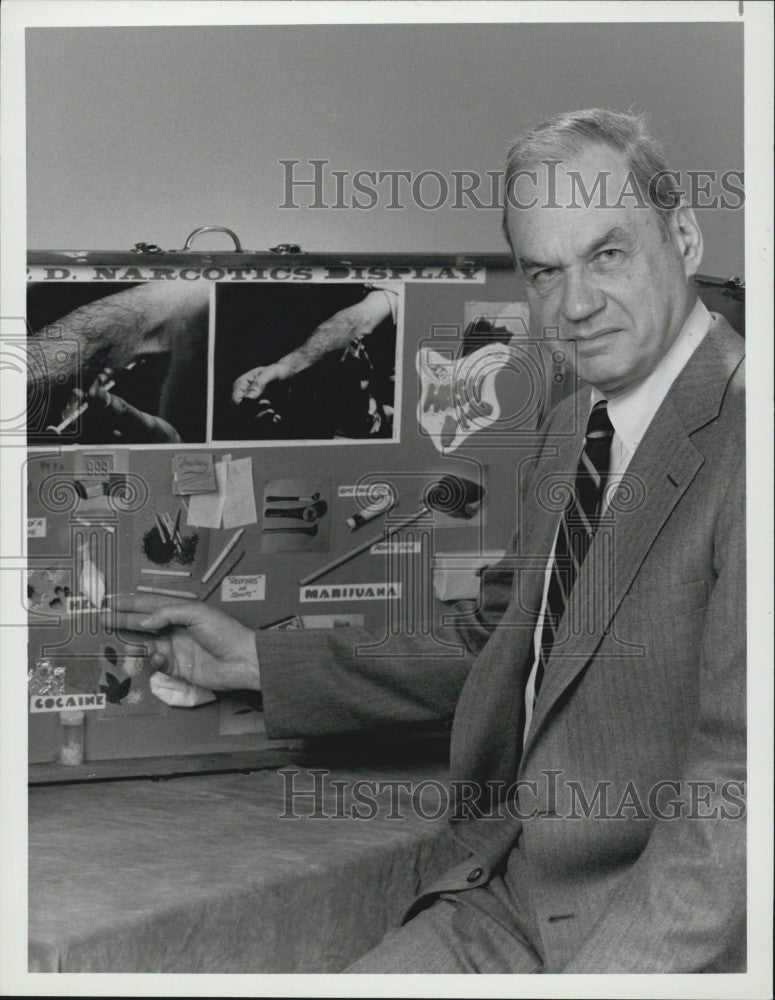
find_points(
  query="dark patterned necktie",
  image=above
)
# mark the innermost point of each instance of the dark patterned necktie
(578, 525)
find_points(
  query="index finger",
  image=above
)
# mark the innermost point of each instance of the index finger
(126, 621)
(130, 611)
(143, 603)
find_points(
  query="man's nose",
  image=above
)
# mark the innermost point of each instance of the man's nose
(581, 298)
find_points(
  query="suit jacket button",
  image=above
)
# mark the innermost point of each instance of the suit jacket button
(474, 875)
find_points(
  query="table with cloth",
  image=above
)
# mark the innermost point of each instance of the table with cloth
(197, 874)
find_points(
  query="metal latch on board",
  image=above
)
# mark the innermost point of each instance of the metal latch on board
(146, 248)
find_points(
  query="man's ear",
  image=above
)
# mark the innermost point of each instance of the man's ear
(687, 239)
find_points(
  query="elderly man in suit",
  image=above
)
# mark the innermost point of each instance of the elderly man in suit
(598, 744)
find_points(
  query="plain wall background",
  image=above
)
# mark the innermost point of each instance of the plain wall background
(147, 133)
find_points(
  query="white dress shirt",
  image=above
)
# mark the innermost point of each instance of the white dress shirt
(630, 414)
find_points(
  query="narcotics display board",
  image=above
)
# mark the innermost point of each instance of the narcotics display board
(303, 442)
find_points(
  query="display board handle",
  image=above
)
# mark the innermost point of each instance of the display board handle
(213, 229)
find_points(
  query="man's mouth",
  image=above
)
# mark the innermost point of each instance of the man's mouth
(593, 339)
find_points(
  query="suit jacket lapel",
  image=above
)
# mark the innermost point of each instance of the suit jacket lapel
(660, 472)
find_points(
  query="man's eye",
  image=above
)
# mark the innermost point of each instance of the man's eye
(543, 277)
(610, 256)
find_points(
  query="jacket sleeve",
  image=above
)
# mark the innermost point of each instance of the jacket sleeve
(324, 682)
(327, 681)
(682, 906)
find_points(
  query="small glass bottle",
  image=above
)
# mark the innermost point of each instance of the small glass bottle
(71, 737)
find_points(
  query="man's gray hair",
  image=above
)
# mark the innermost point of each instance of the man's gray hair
(570, 133)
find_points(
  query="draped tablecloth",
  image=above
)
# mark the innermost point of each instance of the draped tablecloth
(198, 874)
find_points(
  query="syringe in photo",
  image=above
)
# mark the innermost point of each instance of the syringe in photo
(116, 362)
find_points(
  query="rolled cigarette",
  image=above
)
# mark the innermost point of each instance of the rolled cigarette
(165, 572)
(167, 593)
(211, 590)
(161, 527)
(226, 550)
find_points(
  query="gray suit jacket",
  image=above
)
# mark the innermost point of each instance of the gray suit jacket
(625, 832)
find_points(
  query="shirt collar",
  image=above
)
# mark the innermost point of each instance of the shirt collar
(633, 410)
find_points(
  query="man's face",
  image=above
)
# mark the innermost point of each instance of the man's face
(608, 278)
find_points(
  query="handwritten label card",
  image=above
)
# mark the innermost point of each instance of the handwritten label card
(244, 588)
(354, 490)
(36, 527)
(395, 545)
(193, 472)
